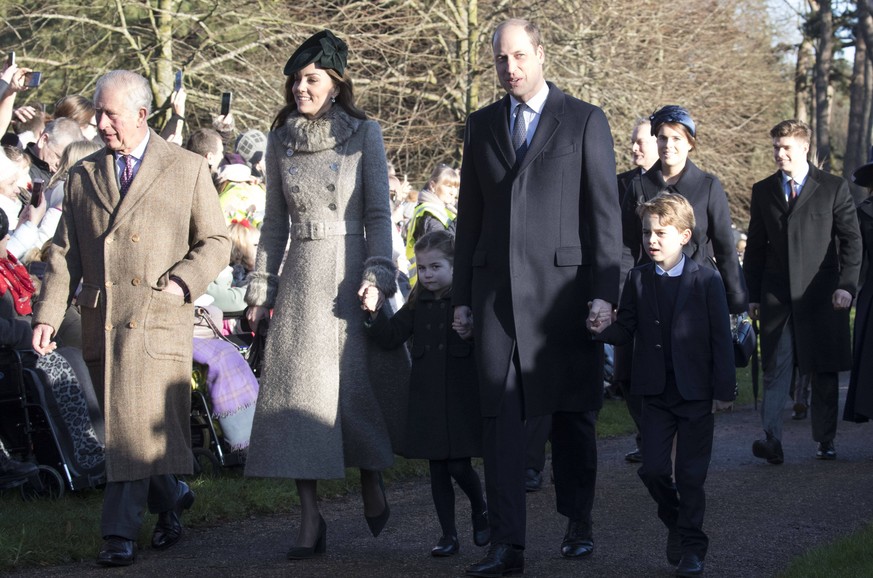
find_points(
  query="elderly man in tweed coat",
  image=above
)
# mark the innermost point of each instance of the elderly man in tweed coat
(143, 231)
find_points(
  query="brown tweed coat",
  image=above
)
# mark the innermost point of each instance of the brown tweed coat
(329, 398)
(137, 340)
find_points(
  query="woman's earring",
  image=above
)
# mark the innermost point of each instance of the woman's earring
(333, 99)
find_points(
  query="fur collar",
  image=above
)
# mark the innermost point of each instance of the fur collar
(326, 132)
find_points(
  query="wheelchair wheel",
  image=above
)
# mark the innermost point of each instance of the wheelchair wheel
(47, 484)
(206, 465)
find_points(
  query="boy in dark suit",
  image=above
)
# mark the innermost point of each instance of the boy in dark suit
(676, 313)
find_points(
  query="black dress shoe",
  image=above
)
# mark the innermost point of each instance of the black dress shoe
(826, 451)
(674, 546)
(306, 552)
(447, 546)
(481, 528)
(690, 565)
(501, 560)
(116, 551)
(533, 480)
(577, 541)
(634, 457)
(769, 449)
(168, 529)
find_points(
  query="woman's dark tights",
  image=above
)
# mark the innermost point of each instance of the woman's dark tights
(441, 474)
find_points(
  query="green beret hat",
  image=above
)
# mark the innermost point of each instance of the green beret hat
(324, 49)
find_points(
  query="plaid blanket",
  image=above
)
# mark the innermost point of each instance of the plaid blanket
(232, 388)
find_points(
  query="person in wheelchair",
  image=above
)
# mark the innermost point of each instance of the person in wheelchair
(15, 292)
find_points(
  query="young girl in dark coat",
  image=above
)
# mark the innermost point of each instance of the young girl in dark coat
(444, 423)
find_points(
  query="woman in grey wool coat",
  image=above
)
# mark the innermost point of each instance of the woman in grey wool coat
(329, 399)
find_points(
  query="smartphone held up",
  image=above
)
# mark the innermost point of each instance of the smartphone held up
(226, 99)
(36, 191)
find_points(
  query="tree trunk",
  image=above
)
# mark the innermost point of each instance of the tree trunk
(802, 88)
(824, 35)
(858, 102)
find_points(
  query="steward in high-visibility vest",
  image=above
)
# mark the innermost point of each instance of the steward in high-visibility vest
(429, 211)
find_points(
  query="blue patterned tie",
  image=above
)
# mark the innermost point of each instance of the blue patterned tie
(519, 133)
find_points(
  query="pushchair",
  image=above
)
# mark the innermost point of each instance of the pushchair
(224, 391)
(49, 416)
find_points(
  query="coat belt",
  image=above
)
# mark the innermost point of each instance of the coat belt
(315, 230)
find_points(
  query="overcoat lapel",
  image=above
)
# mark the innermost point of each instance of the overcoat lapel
(808, 190)
(549, 123)
(500, 133)
(778, 192)
(102, 176)
(155, 163)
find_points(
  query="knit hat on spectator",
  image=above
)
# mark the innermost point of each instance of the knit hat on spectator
(251, 146)
(863, 175)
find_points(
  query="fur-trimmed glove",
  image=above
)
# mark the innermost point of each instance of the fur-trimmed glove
(381, 272)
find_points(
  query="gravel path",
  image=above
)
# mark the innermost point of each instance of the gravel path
(759, 518)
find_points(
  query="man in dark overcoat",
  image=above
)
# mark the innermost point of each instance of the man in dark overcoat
(802, 261)
(143, 232)
(644, 154)
(538, 239)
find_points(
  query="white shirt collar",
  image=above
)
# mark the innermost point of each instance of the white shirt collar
(676, 271)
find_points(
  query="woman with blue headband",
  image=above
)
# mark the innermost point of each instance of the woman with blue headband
(712, 240)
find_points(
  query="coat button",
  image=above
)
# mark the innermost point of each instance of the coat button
(135, 281)
(108, 283)
(134, 238)
(427, 347)
(289, 153)
(295, 189)
(132, 324)
(108, 327)
(427, 326)
(658, 346)
(657, 322)
(331, 187)
(302, 209)
(108, 240)
(293, 171)
(332, 206)
(441, 347)
(334, 167)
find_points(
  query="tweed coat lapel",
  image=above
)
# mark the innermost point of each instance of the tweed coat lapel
(102, 175)
(500, 132)
(156, 163)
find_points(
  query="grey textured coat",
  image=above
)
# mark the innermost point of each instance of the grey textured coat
(329, 399)
(137, 339)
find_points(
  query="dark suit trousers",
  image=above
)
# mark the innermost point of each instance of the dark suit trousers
(124, 503)
(680, 505)
(574, 459)
(537, 430)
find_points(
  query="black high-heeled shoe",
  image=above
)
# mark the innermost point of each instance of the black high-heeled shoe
(377, 523)
(481, 528)
(306, 552)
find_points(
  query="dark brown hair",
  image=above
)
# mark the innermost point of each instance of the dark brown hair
(345, 98)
